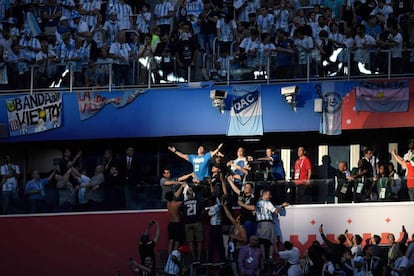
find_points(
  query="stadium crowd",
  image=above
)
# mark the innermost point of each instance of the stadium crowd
(250, 243)
(134, 42)
(116, 181)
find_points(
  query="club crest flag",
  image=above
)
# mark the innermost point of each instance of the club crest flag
(331, 122)
(246, 112)
(34, 113)
(90, 102)
(387, 96)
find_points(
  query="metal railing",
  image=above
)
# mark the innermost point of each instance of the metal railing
(236, 71)
(148, 195)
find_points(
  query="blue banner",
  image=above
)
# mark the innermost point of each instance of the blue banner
(246, 112)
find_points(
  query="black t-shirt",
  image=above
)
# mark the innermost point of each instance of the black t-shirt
(191, 210)
(248, 200)
(366, 166)
(207, 26)
(147, 249)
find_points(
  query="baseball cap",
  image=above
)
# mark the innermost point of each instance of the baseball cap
(75, 14)
(184, 249)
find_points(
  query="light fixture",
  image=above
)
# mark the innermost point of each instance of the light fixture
(217, 99)
(290, 93)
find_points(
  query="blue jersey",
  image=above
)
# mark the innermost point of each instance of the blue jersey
(200, 164)
(278, 172)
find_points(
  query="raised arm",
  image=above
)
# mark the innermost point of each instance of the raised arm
(179, 154)
(51, 175)
(405, 236)
(223, 184)
(180, 190)
(147, 230)
(398, 158)
(347, 238)
(214, 152)
(185, 177)
(324, 238)
(77, 156)
(233, 186)
(228, 214)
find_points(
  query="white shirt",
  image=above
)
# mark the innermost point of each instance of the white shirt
(120, 50)
(11, 183)
(396, 51)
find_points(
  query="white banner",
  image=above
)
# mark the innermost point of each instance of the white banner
(301, 223)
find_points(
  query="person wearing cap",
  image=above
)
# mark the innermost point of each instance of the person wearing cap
(147, 245)
(13, 30)
(62, 27)
(111, 28)
(175, 262)
(80, 26)
(125, 15)
(67, 7)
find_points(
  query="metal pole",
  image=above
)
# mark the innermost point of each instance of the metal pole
(110, 77)
(268, 68)
(149, 71)
(389, 64)
(189, 74)
(31, 78)
(228, 71)
(308, 61)
(349, 65)
(70, 78)
(133, 70)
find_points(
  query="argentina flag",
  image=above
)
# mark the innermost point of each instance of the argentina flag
(246, 112)
(382, 96)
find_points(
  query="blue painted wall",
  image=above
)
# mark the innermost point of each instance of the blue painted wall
(177, 112)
